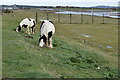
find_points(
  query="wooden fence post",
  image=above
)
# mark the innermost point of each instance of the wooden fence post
(103, 18)
(36, 16)
(47, 16)
(92, 18)
(70, 18)
(81, 18)
(59, 18)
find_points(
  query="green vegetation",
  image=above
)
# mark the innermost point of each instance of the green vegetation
(73, 56)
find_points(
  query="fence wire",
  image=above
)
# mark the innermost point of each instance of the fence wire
(63, 18)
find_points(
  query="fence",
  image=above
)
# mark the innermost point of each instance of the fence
(64, 18)
(73, 18)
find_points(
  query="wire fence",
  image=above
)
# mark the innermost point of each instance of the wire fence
(74, 19)
(65, 18)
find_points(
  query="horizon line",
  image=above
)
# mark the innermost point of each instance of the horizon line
(60, 5)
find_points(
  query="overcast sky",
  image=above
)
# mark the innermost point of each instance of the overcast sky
(82, 3)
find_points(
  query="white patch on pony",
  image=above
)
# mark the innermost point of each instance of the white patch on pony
(41, 44)
(17, 29)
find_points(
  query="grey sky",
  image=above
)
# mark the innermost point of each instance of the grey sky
(62, 2)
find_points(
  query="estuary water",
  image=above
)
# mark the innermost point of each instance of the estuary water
(96, 13)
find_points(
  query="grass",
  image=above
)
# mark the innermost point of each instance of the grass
(70, 58)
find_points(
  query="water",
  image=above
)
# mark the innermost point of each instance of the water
(108, 46)
(106, 14)
(46, 9)
(86, 35)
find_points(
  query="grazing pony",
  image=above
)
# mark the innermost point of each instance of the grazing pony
(27, 23)
(47, 30)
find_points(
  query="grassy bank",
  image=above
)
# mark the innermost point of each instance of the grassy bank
(71, 56)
